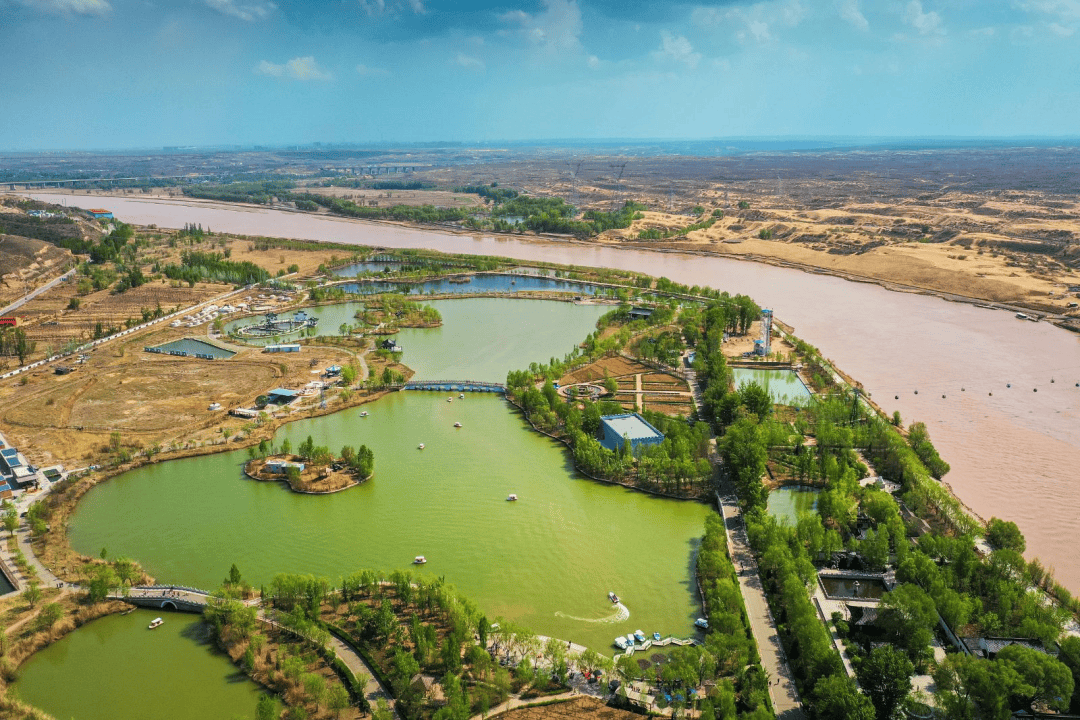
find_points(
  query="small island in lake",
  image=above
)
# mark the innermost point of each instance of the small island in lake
(314, 470)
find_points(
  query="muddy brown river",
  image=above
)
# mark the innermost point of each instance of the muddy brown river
(1014, 454)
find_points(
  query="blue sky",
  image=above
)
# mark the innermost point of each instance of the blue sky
(144, 73)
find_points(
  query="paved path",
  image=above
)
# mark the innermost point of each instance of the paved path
(785, 697)
(43, 573)
(34, 293)
(373, 690)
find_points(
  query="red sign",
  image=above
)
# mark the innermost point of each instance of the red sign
(9, 321)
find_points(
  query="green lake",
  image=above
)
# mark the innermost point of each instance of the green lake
(785, 503)
(547, 561)
(116, 667)
(783, 386)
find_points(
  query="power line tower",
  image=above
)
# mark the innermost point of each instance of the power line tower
(618, 185)
(573, 180)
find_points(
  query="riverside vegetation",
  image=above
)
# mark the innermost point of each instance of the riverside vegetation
(939, 572)
(938, 569)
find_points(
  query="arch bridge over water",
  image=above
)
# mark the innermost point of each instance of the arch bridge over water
(455, 386)
(166, 597)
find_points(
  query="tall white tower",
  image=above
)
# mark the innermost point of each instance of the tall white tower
(766, 330)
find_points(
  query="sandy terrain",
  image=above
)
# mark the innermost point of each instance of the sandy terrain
(149, 399)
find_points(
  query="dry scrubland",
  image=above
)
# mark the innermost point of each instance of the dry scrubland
(150, 399)
(123, 399)
(582, 707)
(950, 222)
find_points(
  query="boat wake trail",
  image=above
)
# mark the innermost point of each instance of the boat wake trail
(621, 613)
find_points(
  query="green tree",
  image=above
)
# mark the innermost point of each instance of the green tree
(836, 696)
(1005, 535)
(756, 399)
(611, 385)
(1070, 655)
(744, 453)
(49, 615)
(234, 576)
(11, 521)
(337, 698)
(1045, 678)
(315, 687)
(32, 595)
(908, 615)
(885, 675)
(349, 374)
(268, 708)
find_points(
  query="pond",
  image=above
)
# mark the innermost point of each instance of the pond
(785, 503)
(115, 666)
(547, 560)
(851, 587)
(783, 386)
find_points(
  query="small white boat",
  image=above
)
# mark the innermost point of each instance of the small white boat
(461, 396)
(419, 560)
(656, 636)
(613, 598)
(156, 622)
(629, 640)
(449, 399)
(639, 636)
(420, 446)
(511, 497)
(702, 623)
(457, 424)
(620, 642)
(363, 413)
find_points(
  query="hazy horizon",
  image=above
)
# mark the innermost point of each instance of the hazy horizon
(128, 74)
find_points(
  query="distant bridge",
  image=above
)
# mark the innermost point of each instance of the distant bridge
(455, 386)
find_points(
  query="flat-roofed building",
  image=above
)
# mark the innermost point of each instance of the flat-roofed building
(617, 429)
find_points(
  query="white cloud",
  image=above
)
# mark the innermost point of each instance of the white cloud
(927, 23)
(468, 62)
(556, 28)
(249, 11)
(1062, 16)
(301, 68)
(368, 71)
(1064, 10)
(69, 7)
(753, 22)
(984, 32)
(849, 10)
(677, 48)
(391, 7)
(593, 62)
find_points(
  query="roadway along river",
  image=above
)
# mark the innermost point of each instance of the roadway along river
(1013, 454)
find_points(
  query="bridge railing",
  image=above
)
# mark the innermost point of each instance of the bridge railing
(163, 588)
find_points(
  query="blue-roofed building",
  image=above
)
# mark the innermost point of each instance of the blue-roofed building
(14, 469)
(617, 429)
(281, 396)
